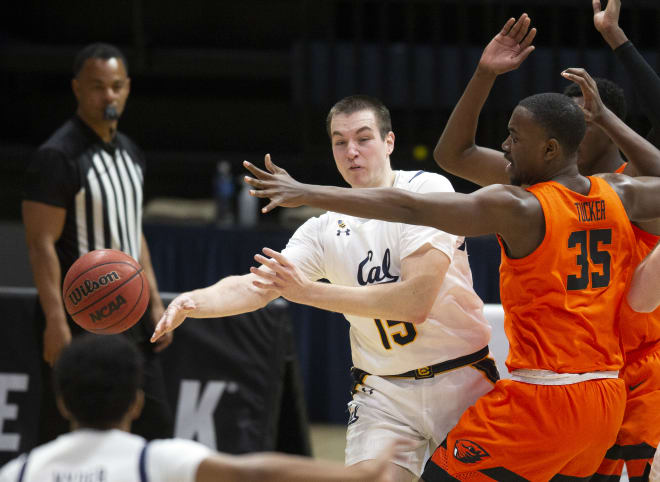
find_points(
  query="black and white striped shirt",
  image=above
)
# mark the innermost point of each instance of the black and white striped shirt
(99, 184)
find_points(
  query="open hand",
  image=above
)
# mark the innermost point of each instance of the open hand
(276, 184)
(284, 276)
(510, 47)
(593, 107)
(176, 312)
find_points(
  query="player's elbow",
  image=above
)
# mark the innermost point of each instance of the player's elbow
(443, 157)
(449, 156)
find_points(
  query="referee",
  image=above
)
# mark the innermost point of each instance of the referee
(84, 191)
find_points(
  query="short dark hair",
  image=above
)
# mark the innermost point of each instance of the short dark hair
(559, 116)
(97, 378)
(97, 51)
(355, 103)
(610, 92)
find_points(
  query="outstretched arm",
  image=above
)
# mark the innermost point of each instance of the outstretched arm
(644, 292)
(229, 296)
(640, 152)
(273, 467)
(456, 151)
(644, 78)
(507, 210)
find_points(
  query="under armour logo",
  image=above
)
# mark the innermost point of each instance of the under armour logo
(342, 228)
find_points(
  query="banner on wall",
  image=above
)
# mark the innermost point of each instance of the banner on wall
(226, 380)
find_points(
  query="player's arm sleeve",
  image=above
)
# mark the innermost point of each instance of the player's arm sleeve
(644, 79)
(175, 460)
(305, 249)
(414, 237)
(50, 178)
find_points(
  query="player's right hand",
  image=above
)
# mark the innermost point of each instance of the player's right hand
(276, 184)
(510, 47)
(176, 312)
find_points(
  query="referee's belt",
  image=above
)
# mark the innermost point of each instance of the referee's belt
(432, 370)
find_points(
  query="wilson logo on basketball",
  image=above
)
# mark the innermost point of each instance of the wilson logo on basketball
(89, 286)
(108, 309)
(468, 452)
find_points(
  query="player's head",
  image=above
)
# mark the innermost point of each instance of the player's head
(360, 130)
(97, 381)
(596, 143)
(545, 131)
(100, 82)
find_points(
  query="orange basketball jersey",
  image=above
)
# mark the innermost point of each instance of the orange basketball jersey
(639, 331)
(562, 301)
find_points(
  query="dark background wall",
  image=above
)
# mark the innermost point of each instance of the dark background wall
(218, 80)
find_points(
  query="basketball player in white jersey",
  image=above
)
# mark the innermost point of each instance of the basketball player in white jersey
(418, 334)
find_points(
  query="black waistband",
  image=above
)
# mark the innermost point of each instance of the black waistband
(431, 371)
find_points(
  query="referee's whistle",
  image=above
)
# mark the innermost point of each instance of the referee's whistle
(110, 113)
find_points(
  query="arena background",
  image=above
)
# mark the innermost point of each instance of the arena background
(217, 80)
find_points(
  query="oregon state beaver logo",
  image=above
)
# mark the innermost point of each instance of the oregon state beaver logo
(468, 452)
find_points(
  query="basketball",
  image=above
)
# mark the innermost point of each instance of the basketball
(105, 291)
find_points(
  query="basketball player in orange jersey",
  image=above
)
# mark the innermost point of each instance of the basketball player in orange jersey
(567, 245)
(457, 153)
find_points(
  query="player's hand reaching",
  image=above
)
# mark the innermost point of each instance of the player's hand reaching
(283, 276)
(174, 315)
(607, 22)
(276, 184)
(510, 47)
(593, 107)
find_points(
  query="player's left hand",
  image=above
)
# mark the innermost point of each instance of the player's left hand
(284, 276)
(593, 107)
(276, 184)
(510, 47)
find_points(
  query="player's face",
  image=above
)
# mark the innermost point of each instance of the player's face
(99, 84)
(593, 146)
(361, 154)
(524, 148)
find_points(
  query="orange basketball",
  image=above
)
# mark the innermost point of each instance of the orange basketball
(105, 291)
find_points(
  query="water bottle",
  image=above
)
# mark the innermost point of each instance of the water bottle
(224, 194)
(248, 206)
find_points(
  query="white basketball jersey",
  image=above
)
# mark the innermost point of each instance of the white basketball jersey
(352, 251)
(108, 456)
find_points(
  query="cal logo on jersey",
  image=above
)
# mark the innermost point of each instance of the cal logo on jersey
(342, 228)
(468, 452)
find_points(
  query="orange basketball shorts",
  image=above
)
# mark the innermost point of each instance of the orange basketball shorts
(521, 431)
(640, 432)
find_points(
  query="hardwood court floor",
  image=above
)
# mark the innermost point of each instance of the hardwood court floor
(328, 441)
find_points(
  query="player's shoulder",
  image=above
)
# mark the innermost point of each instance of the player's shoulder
(11, 470)
(422, 181)
(68, 139)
